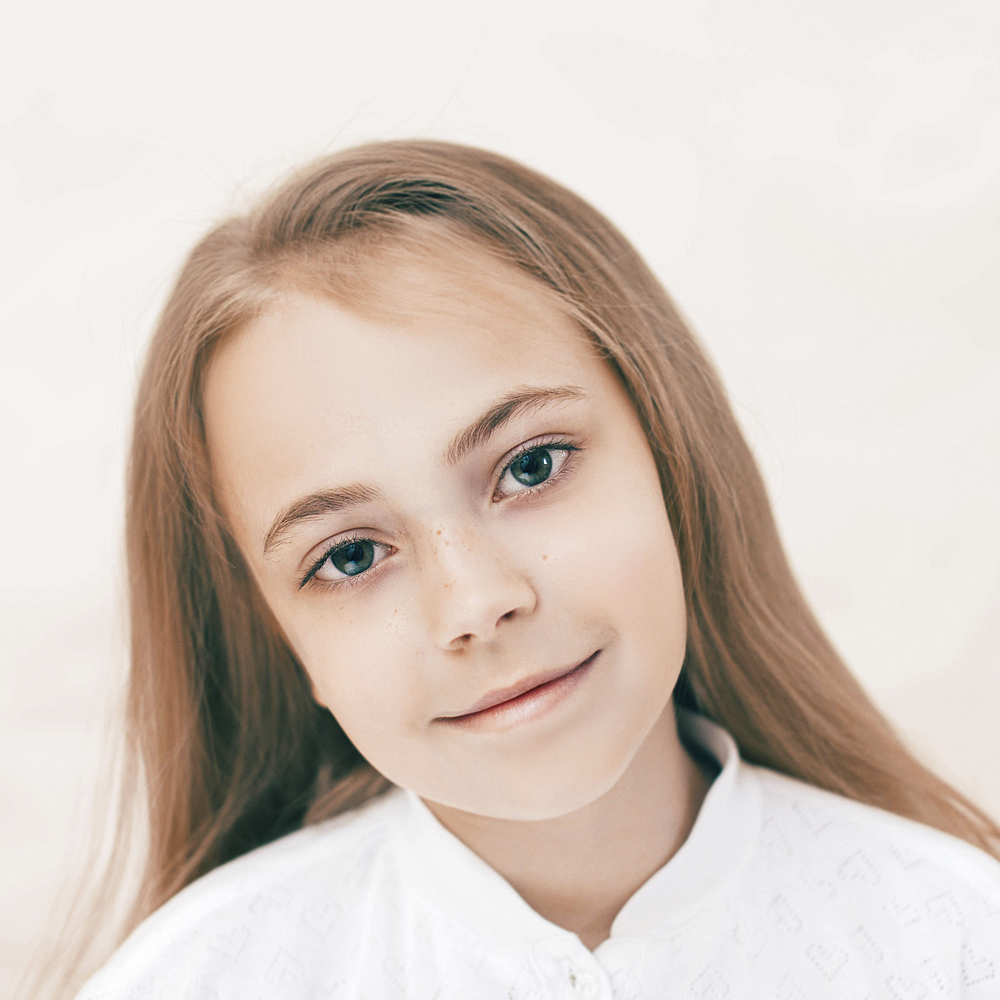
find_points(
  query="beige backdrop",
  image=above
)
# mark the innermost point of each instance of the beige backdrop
(817, 184)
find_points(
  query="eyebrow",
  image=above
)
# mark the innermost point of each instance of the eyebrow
(514, 403)
(323, 502)
(316, 505)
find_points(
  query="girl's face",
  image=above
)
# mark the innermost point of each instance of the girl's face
(446, 498)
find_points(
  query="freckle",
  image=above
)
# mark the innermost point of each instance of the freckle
(439, 531)
(545, 557)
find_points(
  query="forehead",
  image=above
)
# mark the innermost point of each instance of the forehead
(318, 388)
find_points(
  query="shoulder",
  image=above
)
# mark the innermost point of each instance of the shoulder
(901, 895)
(265, 917)
(814, 816)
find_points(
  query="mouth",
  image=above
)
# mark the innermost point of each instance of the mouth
(527, 699)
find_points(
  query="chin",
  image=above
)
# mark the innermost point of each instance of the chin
(528, 795)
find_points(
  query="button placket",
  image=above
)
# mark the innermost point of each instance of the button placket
(583, 984)
(570, 971)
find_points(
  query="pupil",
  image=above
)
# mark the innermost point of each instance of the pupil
(354, 557)
(532, 468)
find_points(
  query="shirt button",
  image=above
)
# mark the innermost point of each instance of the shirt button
(583, 985)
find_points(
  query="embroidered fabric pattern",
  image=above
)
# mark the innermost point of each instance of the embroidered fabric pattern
(782, 890)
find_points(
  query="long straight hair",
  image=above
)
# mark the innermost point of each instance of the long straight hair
(225, 737)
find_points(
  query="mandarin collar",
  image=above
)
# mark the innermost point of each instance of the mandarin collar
(443, 870)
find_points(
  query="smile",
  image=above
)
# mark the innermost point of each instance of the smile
(529, 699)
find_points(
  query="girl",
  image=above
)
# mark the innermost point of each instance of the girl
(466, 658)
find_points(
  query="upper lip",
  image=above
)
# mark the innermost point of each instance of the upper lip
(500, 695)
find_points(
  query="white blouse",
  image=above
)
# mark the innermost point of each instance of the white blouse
(782, 891)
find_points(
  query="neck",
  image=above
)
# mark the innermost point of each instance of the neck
(578, 870)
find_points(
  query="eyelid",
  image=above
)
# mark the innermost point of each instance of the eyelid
(556, 442)
(541, 441)
(330, 546)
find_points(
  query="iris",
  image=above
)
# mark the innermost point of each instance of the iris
(354, 557)
(533, 467)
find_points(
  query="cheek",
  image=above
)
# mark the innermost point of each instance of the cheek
(371, 679)
(621, 569)
(619, 551)
(361, 670)
(641, 585)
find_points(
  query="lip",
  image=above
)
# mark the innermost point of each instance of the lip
(517, 699)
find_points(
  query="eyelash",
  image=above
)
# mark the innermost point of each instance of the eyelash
(555, 444)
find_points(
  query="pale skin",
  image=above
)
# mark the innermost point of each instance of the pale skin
(439, 572)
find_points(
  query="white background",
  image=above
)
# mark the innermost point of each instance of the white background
(817, 184)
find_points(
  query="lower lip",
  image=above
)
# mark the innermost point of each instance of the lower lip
(532, 704)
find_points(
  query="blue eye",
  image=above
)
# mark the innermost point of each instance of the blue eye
(347, 559)
(354, 557)
(532, 467)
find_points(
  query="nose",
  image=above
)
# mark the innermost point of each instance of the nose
(471, 586)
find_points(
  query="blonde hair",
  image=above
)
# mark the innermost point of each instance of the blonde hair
(223, 732)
